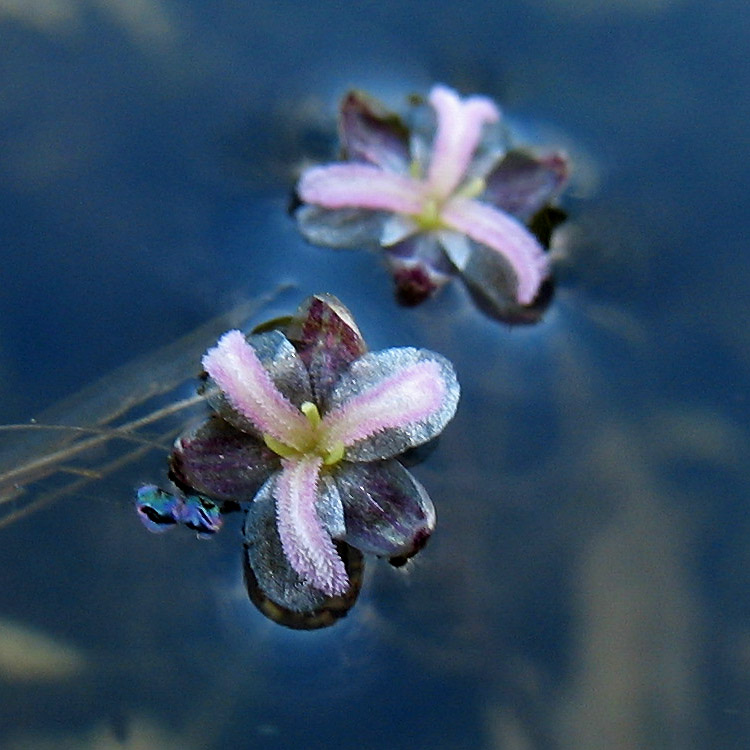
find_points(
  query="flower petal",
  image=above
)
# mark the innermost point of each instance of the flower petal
(274, 585)
(387, 512)
(397, 228)
(250, 389)
(492, 283)
(340, 227)
(389, 401)
(327, 340)
(307, 546)
(360, 186)
(506, 235)
(459, 129)
(221, 462)
(523, 183)
(328, 507)
(371, 133)
(457, 246)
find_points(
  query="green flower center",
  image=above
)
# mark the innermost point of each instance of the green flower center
(429, 218)
(314, 442)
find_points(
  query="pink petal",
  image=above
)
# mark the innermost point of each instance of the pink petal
(459, 129)
(306, 545)
(235, 367)
(410, 395)
(506, 235)
(360, 186)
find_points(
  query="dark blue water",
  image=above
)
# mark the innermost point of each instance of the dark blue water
(587, 586)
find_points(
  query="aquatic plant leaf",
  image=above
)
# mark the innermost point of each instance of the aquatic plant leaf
(386, 510)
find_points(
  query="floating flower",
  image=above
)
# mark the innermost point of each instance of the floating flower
(308, 426)
(459, 205)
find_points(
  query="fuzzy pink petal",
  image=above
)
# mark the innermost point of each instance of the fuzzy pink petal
(508, 236)
(235, 367)
(306, 544)
(360, 186)
(409, 395)
(459, 129)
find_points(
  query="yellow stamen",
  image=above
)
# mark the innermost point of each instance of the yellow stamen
(312, 442)
(334, 454)
(282, 449)
(473, 188)
(310, 410)
(429, 220)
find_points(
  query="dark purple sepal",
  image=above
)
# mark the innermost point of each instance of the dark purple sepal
(275, 587)
(492, 284)
(279, 358)
(221, 462)
(371, 133)
(522, 183)
(419, 267)
(386, 511)
(327, 340)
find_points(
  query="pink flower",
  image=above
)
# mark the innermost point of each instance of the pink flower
(458, 205)
(308, 427)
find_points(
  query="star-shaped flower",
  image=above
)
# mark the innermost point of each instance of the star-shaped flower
(308, 426)
(458, 204)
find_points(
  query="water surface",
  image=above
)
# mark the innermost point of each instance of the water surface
(587, 585)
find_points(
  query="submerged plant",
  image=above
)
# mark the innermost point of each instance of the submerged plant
(446, 199)
(307, 429)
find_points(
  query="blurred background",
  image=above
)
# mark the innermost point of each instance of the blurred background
(587, 583)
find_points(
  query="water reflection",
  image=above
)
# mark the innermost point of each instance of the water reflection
(30, 656)
(149, 22)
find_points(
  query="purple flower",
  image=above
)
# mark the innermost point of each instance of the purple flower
(456, 205)
(308, 426)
